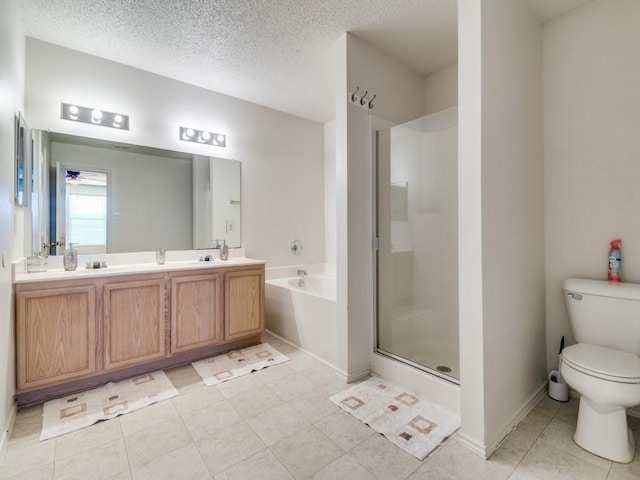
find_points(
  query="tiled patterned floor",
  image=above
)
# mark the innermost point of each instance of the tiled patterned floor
(279, 424)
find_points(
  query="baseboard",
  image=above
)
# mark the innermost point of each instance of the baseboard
(359, 375)
(346, 377)
(6, 432)
(485, 451)
(472, 445)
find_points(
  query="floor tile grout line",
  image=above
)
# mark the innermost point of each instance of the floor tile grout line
(609, 471)
(275, 455)
(535, 441)
(194, 442)
(126, 450)
(55, 453)
(539, 440)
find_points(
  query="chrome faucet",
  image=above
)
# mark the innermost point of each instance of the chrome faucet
(301, 273)
(47, 246)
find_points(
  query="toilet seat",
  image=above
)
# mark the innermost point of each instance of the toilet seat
(603, 363)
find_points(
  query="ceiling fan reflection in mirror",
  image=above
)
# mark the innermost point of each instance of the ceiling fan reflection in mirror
(76, 177)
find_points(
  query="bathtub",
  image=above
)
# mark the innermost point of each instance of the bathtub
(303, 311)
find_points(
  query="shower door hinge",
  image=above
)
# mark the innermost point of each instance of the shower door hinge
(377, 244)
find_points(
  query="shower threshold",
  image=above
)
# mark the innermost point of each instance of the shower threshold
(432, 371)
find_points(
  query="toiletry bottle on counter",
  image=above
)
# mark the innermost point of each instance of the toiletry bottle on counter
(70, 258)
(224, 251)
(615, 260)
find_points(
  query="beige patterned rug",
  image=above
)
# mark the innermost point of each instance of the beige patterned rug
(414, 424)
(237, 363)
(64, 415)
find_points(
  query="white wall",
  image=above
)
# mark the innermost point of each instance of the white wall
(152, 196)
(282, 155)
(441, 89)
(502, 320)
(591, 102)
(11, 245)
(399, 90)
(400, 97)
(330, 192)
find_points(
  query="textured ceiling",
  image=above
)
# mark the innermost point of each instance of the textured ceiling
(277, 53)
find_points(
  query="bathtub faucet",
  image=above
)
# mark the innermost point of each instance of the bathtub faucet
(302, 273)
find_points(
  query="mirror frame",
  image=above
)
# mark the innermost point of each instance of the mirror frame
(22, 164)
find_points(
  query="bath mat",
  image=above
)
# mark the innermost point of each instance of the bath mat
(64, 415)
(414, 424)
(237, 363)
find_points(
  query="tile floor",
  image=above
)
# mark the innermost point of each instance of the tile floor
(279, 424)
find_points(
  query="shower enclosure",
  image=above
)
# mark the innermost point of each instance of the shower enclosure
(417, 243)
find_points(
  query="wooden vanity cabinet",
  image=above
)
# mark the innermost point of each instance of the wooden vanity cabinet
(134, 321)
(55, 335)
(244, 303)
(196, 311)
(75, 334)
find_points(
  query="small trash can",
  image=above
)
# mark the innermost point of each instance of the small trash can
(558, 388)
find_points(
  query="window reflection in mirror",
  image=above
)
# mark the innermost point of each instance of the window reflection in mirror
(85, 200)
(153, 198)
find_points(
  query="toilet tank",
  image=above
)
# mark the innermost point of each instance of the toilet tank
(604, 313)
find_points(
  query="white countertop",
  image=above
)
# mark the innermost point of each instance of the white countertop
(20, 276)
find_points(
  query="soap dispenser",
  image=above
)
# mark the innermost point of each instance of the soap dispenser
(224, 251)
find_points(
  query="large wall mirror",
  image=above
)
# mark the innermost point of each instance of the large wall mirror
(108, 197)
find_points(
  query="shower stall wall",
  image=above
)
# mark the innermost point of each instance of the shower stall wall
(417, 246)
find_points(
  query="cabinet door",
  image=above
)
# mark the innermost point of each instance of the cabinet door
(244, 303)
(55, 336)
(196, 312)
(134, 322)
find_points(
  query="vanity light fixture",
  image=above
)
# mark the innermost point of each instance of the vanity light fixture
(201, 136)
(94, 116)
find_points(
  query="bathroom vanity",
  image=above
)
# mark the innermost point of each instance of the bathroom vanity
(76, 330)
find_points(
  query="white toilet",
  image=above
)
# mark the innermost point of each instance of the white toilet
(604, 366)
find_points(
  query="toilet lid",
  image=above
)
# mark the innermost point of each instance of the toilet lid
(603, 362)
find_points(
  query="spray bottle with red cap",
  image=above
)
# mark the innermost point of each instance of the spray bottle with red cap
(615, 260)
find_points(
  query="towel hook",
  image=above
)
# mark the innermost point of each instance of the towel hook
(353, 95)
(363, 100)
(371, 101)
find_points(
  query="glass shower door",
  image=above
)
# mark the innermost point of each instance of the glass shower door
(417, 246)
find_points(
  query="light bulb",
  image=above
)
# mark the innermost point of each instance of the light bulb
(96, 116)
(205, 136)
(220, 138)
(73, 112)
(117, 120)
